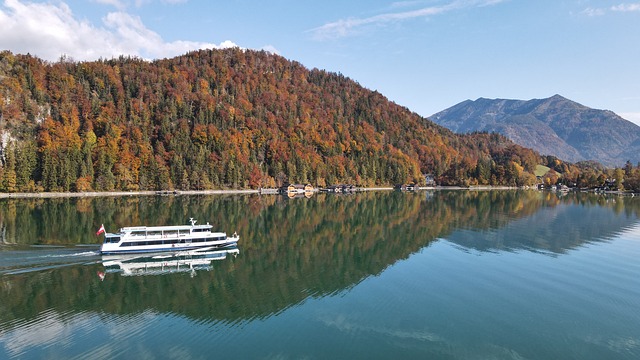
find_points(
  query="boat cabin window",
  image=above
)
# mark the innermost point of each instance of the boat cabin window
(154, 233)
(170, 233)
(199, 230)
(113, 239)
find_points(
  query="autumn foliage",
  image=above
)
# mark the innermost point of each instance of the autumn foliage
(228, 118)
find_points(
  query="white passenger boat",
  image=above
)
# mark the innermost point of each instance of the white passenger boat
(150, 239)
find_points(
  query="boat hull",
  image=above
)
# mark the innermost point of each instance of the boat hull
(228, 242)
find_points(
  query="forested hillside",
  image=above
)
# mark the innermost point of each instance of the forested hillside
(223, 119)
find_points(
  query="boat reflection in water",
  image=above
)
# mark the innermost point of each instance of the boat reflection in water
(164, 263)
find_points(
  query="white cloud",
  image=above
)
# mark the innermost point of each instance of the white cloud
(122, 4)
(633, 117)
(632, 7)
(50, 30)
(593, 12)
(272, 49)
(626, 7)
(349, 26)
(118, 4)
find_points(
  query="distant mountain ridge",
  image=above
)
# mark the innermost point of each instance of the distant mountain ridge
(552, 126)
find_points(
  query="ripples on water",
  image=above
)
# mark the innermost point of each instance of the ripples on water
(450, 275)
(583, 303)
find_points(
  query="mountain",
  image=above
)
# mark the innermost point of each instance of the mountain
(553, 126)
(229, 118)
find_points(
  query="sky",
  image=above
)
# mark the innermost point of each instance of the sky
(426, 55)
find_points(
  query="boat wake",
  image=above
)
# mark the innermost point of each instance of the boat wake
(40, 258)
(80, 254)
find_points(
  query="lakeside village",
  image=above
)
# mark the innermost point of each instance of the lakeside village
(307, 190)
(610, 186)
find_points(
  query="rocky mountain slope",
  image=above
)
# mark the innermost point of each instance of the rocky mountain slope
(553, 126)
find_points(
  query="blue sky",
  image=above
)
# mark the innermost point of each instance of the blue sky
(426, 55)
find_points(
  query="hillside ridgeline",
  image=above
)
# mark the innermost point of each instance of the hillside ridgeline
(214, 119)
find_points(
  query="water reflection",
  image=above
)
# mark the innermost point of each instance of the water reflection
(293, 249)
(333, 269)
(164, 263)
(551, 229)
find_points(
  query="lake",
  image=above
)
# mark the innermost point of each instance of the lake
(374, 275)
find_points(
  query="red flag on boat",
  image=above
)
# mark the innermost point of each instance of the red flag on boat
(101, 230)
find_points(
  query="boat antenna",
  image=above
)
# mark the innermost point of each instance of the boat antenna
(193, 221)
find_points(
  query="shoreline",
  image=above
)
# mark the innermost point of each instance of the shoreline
(121, 193)
(44, 195)
(208, 192)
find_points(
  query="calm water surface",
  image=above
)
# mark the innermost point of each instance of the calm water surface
(427, 275)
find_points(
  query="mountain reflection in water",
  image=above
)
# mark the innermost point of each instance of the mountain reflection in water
(293, 250)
